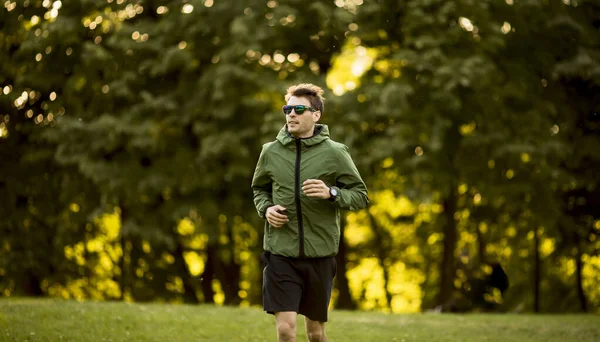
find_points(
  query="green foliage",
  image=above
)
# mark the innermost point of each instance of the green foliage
(470, 121)
(479, 115)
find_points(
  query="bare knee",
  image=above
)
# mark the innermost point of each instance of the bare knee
(316, 332)
(286, 330)
(316, 336)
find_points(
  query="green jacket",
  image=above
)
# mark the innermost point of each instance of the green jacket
(313, 229)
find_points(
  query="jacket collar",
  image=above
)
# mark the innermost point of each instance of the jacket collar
(321, 134)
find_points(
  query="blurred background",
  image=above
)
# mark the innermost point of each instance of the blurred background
(129, 133)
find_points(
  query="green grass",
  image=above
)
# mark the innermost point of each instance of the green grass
(25, 319)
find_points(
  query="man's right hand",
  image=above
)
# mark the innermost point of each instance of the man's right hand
(275, 216)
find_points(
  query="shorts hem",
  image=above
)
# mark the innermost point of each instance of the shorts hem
(313, 318)
(317, 319)
(272, 312)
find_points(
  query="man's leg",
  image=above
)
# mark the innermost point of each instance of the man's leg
(282, 290)
(286, 326)
(315, 330)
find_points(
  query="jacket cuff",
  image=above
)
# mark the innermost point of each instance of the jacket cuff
(263, 211)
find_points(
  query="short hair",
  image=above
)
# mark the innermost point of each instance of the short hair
(312, 92)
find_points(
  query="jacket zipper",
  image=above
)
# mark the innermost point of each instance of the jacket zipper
(297, 193)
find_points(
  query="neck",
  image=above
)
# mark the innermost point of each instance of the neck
(307, 134)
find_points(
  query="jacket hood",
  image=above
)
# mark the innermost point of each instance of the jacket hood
(321, 134)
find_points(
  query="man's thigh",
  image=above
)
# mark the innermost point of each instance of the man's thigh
(282, 285)
(318, 284)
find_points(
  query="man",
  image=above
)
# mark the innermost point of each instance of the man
(301, 182)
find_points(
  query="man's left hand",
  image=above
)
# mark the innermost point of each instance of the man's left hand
(316, 188)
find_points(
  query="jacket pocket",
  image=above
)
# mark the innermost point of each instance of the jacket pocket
(267, 238)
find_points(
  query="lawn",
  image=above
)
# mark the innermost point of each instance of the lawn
(25, 319)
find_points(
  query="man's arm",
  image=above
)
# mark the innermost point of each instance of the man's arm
(262, 185)
(353, 191)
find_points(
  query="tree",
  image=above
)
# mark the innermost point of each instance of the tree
(468, 114)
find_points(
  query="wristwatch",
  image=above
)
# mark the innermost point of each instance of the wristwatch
(334, 192)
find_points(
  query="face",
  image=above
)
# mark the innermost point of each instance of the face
(301, 125)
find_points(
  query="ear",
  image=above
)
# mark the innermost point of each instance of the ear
(316, 116)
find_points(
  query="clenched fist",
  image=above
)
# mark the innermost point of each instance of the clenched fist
(316, 188)
(275, 216)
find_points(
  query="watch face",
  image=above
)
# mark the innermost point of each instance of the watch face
(333, 192)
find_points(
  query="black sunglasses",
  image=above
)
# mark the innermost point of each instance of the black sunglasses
(298, 109)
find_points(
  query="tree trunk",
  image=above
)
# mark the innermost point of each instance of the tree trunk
(228, 272)
(448, 264)
(578, 272)
(122, 264)
(344, 300)
(480, 246)
(134, 281)
(229, 277)
(31, 285)
(208, 275)
(536, 271)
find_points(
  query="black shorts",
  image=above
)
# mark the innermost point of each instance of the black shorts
(300, 285)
